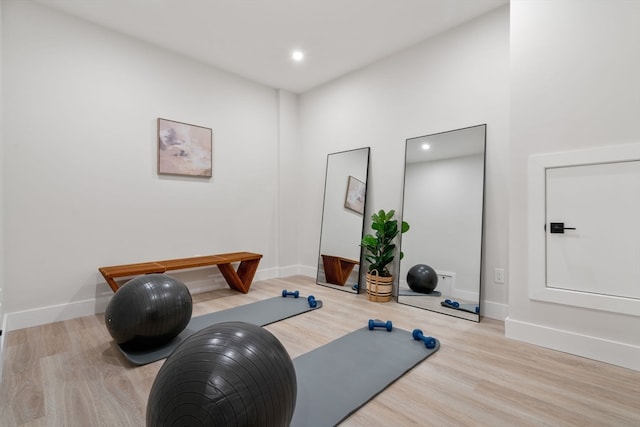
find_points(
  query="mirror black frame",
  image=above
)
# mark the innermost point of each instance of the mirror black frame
(343, 265)
(463, 310)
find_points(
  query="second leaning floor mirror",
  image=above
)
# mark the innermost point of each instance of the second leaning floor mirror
(444, 203)
(343, 220)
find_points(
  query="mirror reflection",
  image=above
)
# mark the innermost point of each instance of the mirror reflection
(343, 211)
(443, 202)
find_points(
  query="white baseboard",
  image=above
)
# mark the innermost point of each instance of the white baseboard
(267, 273)
(3, 325)
(296, 270)
(55, 313)
(60, 312)
(494, 310)
(615, 353)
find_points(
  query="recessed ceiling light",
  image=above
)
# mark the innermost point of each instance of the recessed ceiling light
(297, 55)
(425, 146)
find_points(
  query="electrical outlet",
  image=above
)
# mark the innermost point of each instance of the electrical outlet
(498, 275)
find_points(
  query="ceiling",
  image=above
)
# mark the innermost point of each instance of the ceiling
(254, 38)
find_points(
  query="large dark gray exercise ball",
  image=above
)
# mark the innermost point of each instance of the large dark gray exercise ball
(228, 374)
(422, 278)
(148, 311)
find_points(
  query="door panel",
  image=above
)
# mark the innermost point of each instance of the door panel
(602, 203)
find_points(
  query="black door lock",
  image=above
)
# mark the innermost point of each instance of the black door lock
(558, 227)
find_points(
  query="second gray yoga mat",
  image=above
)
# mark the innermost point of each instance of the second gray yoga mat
(341, 376)
(259, 313)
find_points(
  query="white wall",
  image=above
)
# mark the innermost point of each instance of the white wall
(2, 275)
(289, 173)
(455, 80)
(80, 184)
(575, 83)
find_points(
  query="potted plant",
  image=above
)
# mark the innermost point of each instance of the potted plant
(380, 252)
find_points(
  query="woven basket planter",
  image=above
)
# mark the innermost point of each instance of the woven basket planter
(379, 288)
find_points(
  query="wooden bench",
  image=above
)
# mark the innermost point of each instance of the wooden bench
(239, 280)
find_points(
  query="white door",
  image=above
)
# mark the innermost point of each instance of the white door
(597, 249)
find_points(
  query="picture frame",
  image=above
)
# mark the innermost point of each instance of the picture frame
(354, 199)
(184, 149)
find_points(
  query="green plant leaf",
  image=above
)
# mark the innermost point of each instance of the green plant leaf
(369, 240)
(381, 247)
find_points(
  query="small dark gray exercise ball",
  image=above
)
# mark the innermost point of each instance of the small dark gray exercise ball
(422, 278)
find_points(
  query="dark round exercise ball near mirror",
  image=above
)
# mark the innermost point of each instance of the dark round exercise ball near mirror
(148, 311)
(230, 373)
(422, 278)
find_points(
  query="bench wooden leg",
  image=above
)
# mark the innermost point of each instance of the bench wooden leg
(112, 284)
(240, 280)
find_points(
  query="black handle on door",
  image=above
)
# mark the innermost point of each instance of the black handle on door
(558, 228)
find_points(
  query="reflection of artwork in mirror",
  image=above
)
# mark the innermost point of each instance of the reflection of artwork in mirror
(354, 199)
(342, 219)
(443, 202)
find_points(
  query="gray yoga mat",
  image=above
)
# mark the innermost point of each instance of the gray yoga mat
(469, 308)
(259, 313)
(410, 293)
(338, 378)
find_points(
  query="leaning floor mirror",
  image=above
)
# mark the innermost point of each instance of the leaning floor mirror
(444, 203)
(342, 226)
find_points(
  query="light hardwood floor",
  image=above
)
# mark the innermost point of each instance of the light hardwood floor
(70, 374)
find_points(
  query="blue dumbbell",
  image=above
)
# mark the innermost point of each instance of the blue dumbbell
(477, 309)
(455, 304)
(285, 294)
(380, 324)
(312, 301)
(429, 342)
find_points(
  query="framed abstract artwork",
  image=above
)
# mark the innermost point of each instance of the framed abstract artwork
(184, 149)
(354, 199)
